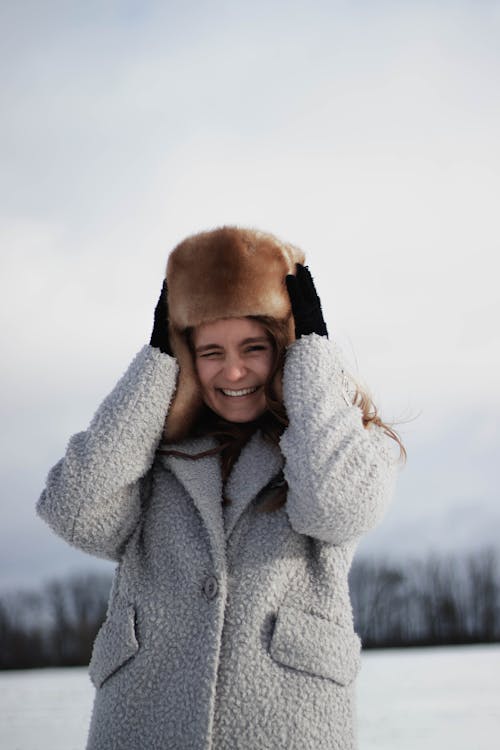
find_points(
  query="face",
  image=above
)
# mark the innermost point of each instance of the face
(233, 359)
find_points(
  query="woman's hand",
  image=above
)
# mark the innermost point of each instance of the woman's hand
(306, 305)
(159, 336)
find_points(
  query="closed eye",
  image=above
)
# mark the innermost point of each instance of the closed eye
(209, 354)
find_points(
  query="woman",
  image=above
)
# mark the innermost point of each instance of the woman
(229, 623)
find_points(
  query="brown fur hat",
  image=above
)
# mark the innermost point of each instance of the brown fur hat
(224, 273)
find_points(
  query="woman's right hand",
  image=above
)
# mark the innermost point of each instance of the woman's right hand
(159, 336)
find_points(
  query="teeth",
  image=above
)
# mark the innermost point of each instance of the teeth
(242, 392)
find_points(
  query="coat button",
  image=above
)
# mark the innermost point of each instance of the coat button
(210, 587)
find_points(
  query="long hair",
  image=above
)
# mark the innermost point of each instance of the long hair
(232, 436)
(370, 416)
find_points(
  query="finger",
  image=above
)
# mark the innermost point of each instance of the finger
(307, 284)
(164, 291)
(291, 285)
(294, 292)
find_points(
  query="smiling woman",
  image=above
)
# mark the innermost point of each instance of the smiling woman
(229, 623)
(234, 358)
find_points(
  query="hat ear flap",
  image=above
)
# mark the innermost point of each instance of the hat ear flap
(187, 401)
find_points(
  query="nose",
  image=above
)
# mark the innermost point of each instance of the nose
(234, 369)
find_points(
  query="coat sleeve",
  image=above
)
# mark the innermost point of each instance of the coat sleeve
(93, 495)
(340, 474)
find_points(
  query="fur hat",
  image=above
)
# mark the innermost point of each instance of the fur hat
(224, 273)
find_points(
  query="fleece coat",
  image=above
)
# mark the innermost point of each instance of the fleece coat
(227, 628)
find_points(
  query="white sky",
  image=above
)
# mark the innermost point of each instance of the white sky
(367, 133)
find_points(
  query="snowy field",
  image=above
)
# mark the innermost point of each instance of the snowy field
(434, 698)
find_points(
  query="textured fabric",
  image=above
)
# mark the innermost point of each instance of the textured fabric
(226, 629)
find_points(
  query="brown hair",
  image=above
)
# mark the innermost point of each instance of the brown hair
(370, 416)
(232, 436)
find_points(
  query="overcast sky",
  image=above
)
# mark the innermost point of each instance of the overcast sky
(365, 132)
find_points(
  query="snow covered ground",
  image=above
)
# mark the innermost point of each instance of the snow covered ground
(436, 698)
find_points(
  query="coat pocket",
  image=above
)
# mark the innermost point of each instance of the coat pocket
(115, 644)
(315, 645)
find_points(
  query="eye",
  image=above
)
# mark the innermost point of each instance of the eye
(209, 355)
(257, 348)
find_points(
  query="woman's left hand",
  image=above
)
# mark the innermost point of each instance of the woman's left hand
(306, 305)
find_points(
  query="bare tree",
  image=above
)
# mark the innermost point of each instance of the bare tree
(441, 600)
(54, 627)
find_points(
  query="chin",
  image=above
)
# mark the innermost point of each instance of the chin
(242, 420)
(241, 417)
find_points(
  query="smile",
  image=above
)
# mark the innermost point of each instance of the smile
(242, 392)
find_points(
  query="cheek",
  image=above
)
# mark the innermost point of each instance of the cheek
(205, 371)
(267, 365)
(200, 371)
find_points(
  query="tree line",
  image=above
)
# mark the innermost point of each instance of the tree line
(447, 600)
(438, 601)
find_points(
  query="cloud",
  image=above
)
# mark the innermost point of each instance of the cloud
(365, 134)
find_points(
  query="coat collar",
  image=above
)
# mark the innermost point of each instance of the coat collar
(257, 464)
(202, 480)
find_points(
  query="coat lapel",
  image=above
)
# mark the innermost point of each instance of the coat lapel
(258, 463)
(202, 480)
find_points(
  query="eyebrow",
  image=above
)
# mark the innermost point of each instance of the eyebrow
(255, 340)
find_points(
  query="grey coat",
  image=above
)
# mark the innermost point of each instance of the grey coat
(227, 628)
